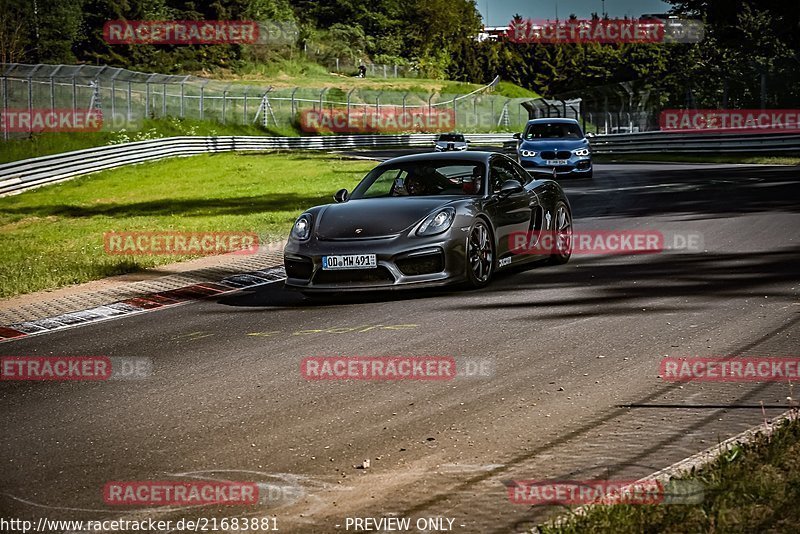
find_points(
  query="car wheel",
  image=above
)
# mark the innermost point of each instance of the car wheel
(480, 255)
(562, 235)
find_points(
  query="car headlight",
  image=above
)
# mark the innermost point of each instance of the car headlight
(581, 152)
(527, 153)
(438, 222)
(302, 227)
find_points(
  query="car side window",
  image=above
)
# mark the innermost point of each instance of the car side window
(384, 184)
(500, 171)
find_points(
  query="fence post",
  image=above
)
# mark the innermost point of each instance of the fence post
(294, 109)
(147, 100)
(130, 95)
(395, 70)
(74, 95)
(113, 97)
(202, 93)
(384, 71)
(224, 104)
(349, 96)
(5, 107)
(183, 93)
(163, 100)
(244, 109)
(52, 94)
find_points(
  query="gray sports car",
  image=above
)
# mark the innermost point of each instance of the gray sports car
(427, 220)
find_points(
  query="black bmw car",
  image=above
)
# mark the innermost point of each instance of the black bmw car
(427, 220)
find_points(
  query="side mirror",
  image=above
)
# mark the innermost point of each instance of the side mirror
(509, 187)
(589, 134)
(517, 135)
(468, 141)
(341, 195)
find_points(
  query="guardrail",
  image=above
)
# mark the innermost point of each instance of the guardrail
(689, 143)
(25, 174)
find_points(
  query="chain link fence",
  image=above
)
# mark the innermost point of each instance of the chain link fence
(126, 97)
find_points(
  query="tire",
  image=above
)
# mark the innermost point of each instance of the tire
(562, 235)
(479, 255)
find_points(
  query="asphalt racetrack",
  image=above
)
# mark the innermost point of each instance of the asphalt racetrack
(573, 392)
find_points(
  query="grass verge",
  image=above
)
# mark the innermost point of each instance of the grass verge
(53, 236)
(44, 144)
(753, 487)
(715, 157)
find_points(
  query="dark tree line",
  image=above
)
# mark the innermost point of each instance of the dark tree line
(750, 55)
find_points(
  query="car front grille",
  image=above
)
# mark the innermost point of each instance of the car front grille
(424, 264)
(552, 154)
(351, 276)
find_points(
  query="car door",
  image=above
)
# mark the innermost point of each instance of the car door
(510, 213)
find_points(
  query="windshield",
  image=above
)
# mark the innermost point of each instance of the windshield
(553, 130)
(424, 178)
(452, 138)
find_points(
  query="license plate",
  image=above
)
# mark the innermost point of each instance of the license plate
(555, 162)
(351, 261)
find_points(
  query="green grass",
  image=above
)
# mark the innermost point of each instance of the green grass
(751, 488)
(703, 158)
(511, 90)
(43, 144)
(53, 236)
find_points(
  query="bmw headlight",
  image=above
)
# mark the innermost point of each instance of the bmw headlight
(437, 222)
(527, 153)
(581, 152)
(302, 227)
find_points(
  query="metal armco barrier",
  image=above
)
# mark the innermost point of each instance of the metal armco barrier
(24, 174)
(694, 143)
